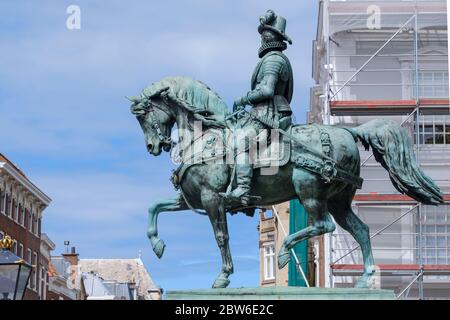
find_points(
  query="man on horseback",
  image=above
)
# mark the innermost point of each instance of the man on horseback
(270, 95)
(324, 169)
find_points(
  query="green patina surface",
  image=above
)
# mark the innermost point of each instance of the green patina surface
(323, 172)
(281, 293)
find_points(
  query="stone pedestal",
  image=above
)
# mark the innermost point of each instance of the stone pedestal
(281, 293)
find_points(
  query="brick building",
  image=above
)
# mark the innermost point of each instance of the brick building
(21, 208)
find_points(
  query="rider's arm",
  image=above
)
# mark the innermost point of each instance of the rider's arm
(272, 68)
(264, 90)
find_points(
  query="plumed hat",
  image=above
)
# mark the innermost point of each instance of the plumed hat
(275, 23)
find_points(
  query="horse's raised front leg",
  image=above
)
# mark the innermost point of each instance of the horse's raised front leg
(213, 204)
(173, 204)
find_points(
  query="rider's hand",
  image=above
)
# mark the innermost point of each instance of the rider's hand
(240, 103)
(237, 105)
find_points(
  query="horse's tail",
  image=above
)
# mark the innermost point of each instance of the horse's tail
(392, 149)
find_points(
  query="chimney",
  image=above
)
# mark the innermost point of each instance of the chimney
(71, 257)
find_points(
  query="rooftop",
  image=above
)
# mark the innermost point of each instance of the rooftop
(3, 158)
(120, 270)
(18, 174)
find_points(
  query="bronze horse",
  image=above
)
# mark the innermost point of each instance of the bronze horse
(323, 179)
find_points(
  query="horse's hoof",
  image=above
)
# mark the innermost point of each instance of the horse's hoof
(158, 248)
(362, 284)
(283, 258)
(221, 282)
(367, 281)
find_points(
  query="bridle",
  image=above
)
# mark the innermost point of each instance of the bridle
(144, 106)
(148, 107)
(155, 123)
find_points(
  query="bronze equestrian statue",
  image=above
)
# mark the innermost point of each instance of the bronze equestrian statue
(320, 165)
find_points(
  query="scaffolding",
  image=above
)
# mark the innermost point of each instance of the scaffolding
(390, 59)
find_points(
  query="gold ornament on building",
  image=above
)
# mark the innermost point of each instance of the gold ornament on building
(7, 243)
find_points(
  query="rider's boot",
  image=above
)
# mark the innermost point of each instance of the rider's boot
(244, 173)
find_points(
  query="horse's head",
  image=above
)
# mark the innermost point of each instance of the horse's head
(156, 120)
(178, 100)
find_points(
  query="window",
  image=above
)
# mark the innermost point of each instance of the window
(14, 210)
(39, 283)
(19, 213)
(8, 205)
(39, 224)
(27, 219)
(14, 248)
(20, 251)
(43, 284)
(435, 234)
(2, 234)
(269, 261)
(2, 200)
(36, 226)
(34, 274)
(434, 129)
(24, 212)
(30, 225)
(433, 84)
(28, 259)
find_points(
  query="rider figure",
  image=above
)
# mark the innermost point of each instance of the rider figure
(270, 95)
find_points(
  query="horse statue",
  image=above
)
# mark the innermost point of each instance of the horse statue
(322, 169)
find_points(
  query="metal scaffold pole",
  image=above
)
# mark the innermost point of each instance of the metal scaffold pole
(329, 74)
(419, 207)
(327, 255)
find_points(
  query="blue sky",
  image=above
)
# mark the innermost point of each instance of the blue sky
(65, 122)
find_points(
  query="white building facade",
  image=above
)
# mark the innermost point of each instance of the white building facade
(388, 59)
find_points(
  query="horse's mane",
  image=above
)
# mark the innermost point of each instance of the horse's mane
(192, 91)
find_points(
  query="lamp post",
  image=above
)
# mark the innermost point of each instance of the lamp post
(14, 272)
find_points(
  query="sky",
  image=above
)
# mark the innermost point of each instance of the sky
(65, 122)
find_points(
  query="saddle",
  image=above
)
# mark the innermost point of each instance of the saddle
(212, 148)
(315, 155)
